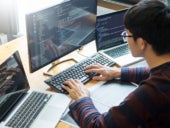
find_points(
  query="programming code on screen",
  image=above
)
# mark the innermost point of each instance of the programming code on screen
(109, 28)
(55, 31)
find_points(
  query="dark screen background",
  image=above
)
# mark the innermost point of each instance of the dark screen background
(108, 30)
(58, 30)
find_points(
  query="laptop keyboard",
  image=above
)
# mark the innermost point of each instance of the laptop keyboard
(119, 51)
(28, 110)
(77, 72)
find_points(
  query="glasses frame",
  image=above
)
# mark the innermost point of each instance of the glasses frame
(125, 36)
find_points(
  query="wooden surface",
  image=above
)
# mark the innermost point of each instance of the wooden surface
(110, 5)
(36, 79)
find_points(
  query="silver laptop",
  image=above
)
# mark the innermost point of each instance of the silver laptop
(109, 41)
(22, 107)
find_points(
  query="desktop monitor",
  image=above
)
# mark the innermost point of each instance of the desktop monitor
(55, 31)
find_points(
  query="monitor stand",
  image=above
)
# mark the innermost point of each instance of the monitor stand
(67, 59)
(56, 63)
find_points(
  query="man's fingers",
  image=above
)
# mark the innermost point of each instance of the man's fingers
(95, 65)
(98, 71)
(70, 83)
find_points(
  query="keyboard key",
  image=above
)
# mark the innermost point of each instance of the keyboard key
(119, 51)
(77, 72)
(29, 110)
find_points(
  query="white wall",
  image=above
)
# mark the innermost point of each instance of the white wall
(26, 6)
(8, 18)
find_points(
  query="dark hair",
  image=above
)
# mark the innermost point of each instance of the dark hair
(150, 19)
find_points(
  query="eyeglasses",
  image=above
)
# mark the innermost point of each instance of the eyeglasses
(124, 36)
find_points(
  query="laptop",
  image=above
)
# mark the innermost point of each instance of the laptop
(23, 107)
(109, 41)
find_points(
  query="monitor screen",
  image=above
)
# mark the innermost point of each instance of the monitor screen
(108, 29)
(58, 30)
(13, 83)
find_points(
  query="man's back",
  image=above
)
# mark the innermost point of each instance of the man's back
(152, 98)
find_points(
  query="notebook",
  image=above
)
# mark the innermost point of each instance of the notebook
(109, 41)
(42, 109)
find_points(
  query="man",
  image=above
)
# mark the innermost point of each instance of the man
(147, 33)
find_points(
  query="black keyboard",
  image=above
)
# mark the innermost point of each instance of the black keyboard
(77, 72)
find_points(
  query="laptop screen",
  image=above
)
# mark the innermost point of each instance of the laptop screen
(12, 81)
(108, 30)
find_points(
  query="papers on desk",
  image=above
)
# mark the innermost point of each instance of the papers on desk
(110, 94)
(103, 10)
(105, 95)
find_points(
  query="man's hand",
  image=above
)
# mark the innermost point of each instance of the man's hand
(75, 89)
(105, 73)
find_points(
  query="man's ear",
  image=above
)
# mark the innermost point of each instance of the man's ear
(142, 44)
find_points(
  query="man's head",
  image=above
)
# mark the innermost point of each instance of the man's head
(150, 20)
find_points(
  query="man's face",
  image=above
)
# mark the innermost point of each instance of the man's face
(133, 45)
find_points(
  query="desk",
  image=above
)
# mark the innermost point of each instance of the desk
(36, 79)
(110, 5)
(20, 44)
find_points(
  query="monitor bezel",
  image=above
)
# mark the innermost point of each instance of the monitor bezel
(58, 57)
